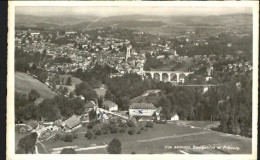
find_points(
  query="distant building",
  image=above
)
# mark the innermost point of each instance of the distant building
(175, 117)
(128, 51)
(110, 106)
(142, 109)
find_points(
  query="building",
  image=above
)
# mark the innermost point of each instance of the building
(175, 117)
(128, 51)
(110, 106)
(142, 109)
(90, 105)
(72, 122)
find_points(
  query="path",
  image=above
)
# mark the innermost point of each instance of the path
(174, 136)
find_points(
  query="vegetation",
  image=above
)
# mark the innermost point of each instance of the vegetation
(50, 109)
(131, 131)
(149, 124)
(92, 115)
(114, 147)
(27, 144)
(68, 151)
(88, 135)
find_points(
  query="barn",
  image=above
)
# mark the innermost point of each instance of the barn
(142, 109)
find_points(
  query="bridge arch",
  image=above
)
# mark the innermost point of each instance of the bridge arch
(182, 77)
(173, 77)
(157, 77)
(149, 75)
(165, 77)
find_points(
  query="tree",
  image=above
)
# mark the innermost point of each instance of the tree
(68, 82)
(92, 114)
(49, 110)
(114, 147)
(27, 144)
(33, 95)
(68, 151)
(89, 94)
(64, 91)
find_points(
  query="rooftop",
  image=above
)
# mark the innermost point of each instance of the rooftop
(142, 106)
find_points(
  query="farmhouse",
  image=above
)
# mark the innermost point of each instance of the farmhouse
(141, 109)
(109, 105)
(72, 122)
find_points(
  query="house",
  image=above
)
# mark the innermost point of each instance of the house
(72, 122)
(109, 105)
(90, 105)
(175, 117)
(142, 109)
(25, 129)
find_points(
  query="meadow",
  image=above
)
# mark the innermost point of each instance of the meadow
(24, 83)
(176, 138)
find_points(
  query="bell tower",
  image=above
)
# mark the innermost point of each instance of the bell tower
(128, 52)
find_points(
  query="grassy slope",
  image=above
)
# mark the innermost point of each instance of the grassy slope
(74, 82)
(24, 83)
(132, 142)
(145, 97)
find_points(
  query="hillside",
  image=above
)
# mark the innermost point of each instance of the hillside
(74, 82)
(150, 96)
(24, 83)
(132, 21)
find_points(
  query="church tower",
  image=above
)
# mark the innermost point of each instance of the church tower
(128, 52)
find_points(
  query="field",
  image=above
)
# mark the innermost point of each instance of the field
(177, 138)
(74, 82)
(24, 83)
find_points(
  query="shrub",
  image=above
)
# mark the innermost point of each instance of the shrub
(149, 124)
(113, 129)
(131, 131)
(97, 121)
(122, 130)
(94, 137)
(91, 124)
(88, 135)
(98, 132)
(111, 121)
(142, 128)
(105, 128)
(139, 132)
(133, 152)
(74, 135)
(92, 114)
(123, 125)
(130, 123)
(68, 151)
(114, 147)
(68, 138)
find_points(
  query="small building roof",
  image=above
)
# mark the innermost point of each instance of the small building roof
(108, 103)
(142, 106)
(72, 121)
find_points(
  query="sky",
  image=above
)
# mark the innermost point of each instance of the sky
(126, 10)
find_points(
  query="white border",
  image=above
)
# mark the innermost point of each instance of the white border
(10, 77)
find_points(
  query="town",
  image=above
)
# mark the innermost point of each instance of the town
(106, 89)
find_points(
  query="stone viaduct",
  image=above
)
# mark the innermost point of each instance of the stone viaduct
(167, 76)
